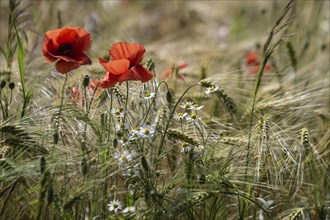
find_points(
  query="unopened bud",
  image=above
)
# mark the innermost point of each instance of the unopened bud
(50, 194)
(86, 81)
(115, 143)
(144, 164)
(11, 85)
(2, 84)
(55, 137)
(42, 164)
(169, 97)
(84, 166)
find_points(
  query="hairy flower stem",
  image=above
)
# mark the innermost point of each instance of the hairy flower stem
(2, 109)
(126, 102)
(60, 110)
(88, 109)
(170, 118)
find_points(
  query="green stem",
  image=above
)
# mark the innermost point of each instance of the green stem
(260, 73)
(62, 96)
(126, 102)
(61, 105)
(3, 111)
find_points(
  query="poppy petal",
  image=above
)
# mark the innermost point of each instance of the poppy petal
(65, 67)
(52, 36)
(46, 47)
(108, 81)
(115, 67)
(182, 65)
(268, 67)
(136, 73)
(67, 36)
(166, 73)
(252, 58)
(132, 52)
(84, 42)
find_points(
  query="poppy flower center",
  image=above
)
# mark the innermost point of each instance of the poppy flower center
(65, 49)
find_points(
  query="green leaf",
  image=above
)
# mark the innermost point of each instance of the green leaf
(20, 57)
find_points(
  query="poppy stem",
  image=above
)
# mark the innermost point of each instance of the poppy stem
(62, 97)
(60, 110)
(126, 102)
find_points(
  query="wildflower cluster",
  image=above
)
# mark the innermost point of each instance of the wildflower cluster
(191, 112)
(197, 151)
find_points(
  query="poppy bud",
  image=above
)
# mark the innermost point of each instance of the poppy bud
(55, 137)
(103, 120)
(86, 81)
(144, 164)
(202, 179)
(115, 143)
(84, 166)
(42, 164)
(50, 194)
(169, 97)
(3, 84)
(11, 85)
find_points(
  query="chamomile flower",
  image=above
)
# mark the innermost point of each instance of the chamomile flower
(186, 105)
(118, 113)
(128, 209)
(196, 107)
(198, 151)
(122, 126)
(132, 171)
(114, 206)
(149, 95)
(179, 115)
(210, 90)
(125, 156)
(186, 148)
(147, 131)
(123, 141)
(193, 118)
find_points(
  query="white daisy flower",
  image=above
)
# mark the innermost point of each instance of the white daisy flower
(198, 151)
(125, 156)
(186, 105)
(123, 141)
(186, 148)
(118, 113)
(149, 95)
(179, 115)
(129, 209)
(210, 90)
(132, 171)
(147, 131)
(193, 118)
(196, 107)
(114, 206)
(122, 126)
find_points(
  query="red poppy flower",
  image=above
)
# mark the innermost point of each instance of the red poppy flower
(67, 46)
(252, 60)
(170, 70)
(124, 65)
